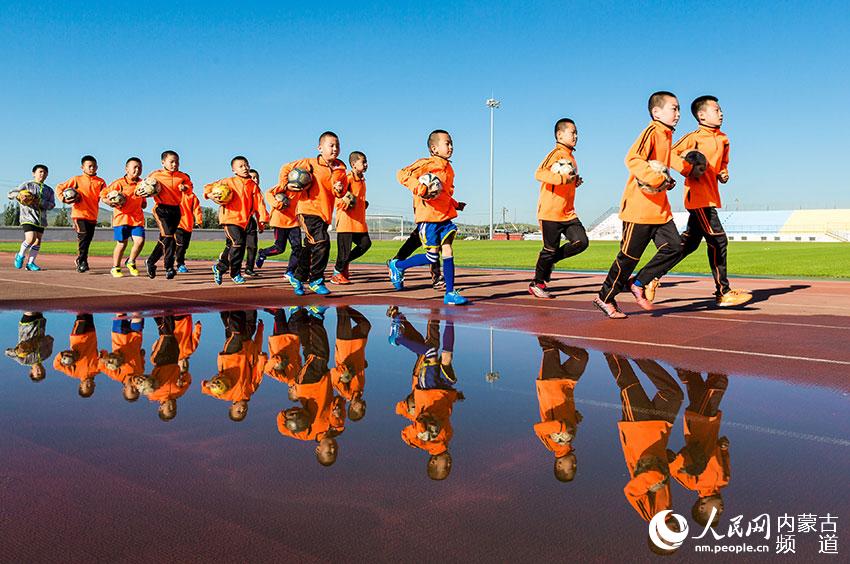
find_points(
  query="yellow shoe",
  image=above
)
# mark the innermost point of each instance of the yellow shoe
(649, 290)
(131, 266)
(733, 298)
(116, 272)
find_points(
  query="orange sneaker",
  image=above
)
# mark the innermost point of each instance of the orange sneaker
(733, 298)
(649, 289)
(339, 278)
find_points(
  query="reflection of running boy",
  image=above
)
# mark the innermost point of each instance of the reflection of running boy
(284, 361)
(126, 360)
(34, 345)
(81, 359)
(349, 374)
(167, 382)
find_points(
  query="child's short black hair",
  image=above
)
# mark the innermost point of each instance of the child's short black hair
(237, 158)
(561, 125)
(356, 156)
(433, 134)
(88, 158)
(254, 171)
(133, 159)
(328, 134)
(168, 153)
(656, 100)
(41, 166)
(700, 103)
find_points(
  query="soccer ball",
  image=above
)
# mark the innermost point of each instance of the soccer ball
(698, 163)
(67, 358)
(349, 200)
(298, 179)
(433, 186)
(564, 167)
(148, 187)
(218, 386)
(113, 361)
(656, 166)
(116, 199)
(26, 198)
(144, 383)
(221, 193)
(282, 198)
(70, 196)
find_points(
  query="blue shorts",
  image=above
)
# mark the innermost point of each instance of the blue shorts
(124, 232)
(125, 326)
(431, 377)
(433, 235)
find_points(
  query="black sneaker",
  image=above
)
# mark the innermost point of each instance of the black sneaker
(170, 274)
(151, 268)
(253, 273)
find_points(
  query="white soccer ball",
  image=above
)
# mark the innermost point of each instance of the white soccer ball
(433, 184)
(148, 187)
(564, 167)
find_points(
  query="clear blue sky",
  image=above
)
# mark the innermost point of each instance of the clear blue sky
(213, 79)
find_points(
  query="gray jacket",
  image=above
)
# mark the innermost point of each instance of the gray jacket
(36, 345)
(36, 215)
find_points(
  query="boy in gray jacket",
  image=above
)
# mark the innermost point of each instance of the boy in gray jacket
(35, 198)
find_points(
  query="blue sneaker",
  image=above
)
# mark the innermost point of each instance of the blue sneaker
(395, 331)
(182, 269)
(261, 259)
(19, 261)
(298, 289)
(454, 298)
(318, 286)
(31, 266)
(293, 281)
(317, 311)
(396, 275)
(290, 310)
(238, 279)
(216, 275)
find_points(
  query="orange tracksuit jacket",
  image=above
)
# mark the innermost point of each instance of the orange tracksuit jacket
(190, 212)
(243, 370)
(169, 193)
(640, 438)
(703, 431)
(557, 196)
(703, 192)
(243, 204)
(88, 363)
(319, 198)
(167, 377)
(130, 345)
(653, 144)
(283, 218)
(131, 213)
(436, 403)
(89, 189)
(319, 401)
(557, 409)
(284, 348)
(444, 206)
(350, 354)
(188, 336)
(353, 220)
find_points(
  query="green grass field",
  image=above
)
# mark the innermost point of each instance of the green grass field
(823, 260)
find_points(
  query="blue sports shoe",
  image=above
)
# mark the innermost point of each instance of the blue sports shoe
(19, 261)
(182, 269)
(317, 311)
(297, 285)
(33, 267)
(454, 298)
(238, 279)
(396, 275)
(216, 275)
(293, 281)
(318, 286)
(395, 330)
(261, 258)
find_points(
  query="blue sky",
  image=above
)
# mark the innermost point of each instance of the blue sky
(213, 79)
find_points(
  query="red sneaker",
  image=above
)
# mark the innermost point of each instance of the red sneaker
(538, 290)
(611, 310)
(339, 278)
(640, 297)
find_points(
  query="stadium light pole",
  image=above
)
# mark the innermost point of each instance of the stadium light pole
(492, 103)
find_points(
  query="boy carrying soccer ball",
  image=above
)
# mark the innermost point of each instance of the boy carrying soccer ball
(128, 219)
(35, 198)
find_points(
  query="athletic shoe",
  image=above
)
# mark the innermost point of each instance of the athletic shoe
(32, 267)
(19, 261)
(216, 275)
(318, 286)
(170, 274)
(396, 275)
(250, 272)
(640, 297)
(733, 298)
(396, 330)
(293, 281)
(538, 290)
(454, 298)
(297, 287)
(439, 284)
(182, 269)
(83, 267)
(115, 271)
(339, 278)
(131, 266)
(151, 268)
(238, 279)
(649, 289)
(261, 259)
(317, 311)
(611, 310)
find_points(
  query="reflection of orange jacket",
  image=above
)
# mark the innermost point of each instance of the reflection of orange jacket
(169, 183)
(703, 192)
(284, 348)
(557, 193)
(702, 431)
(438, 404)
(243, 370)
(243, 203)
(353, 220)
(188, 335)
(279, 216)
(190, 212)
(129, 345)
(653, 144)
(557, 411)
(645, 438)
(350, 355)
(88, 188)
(319, 401)
(131, 212)
(441, 208)
(87, 364)
(318, 199)
(168, 386)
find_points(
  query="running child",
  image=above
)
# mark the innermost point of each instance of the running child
(128, 219)
(35, 198)
(82, 192)
(351, 225)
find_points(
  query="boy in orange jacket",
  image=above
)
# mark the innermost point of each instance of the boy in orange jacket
(284, 363)
(173, 183)
(315, 211)
(432, 182)
(234, 215)
(81, 360)
(191, 216)
(645, 210)
(128, 219)
(84, 206)
(349, 374)
(558, 175)
(351, 225)
(167, 381)
(559, 418)
(126, 360)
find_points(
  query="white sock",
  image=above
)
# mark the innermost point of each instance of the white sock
(24, 248)
(33, 253)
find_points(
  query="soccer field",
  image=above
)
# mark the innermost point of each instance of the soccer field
(824, 260)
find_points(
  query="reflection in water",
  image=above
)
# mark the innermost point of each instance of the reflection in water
(33, 346)
(126, 360)
(81, 360)
(168, 381)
